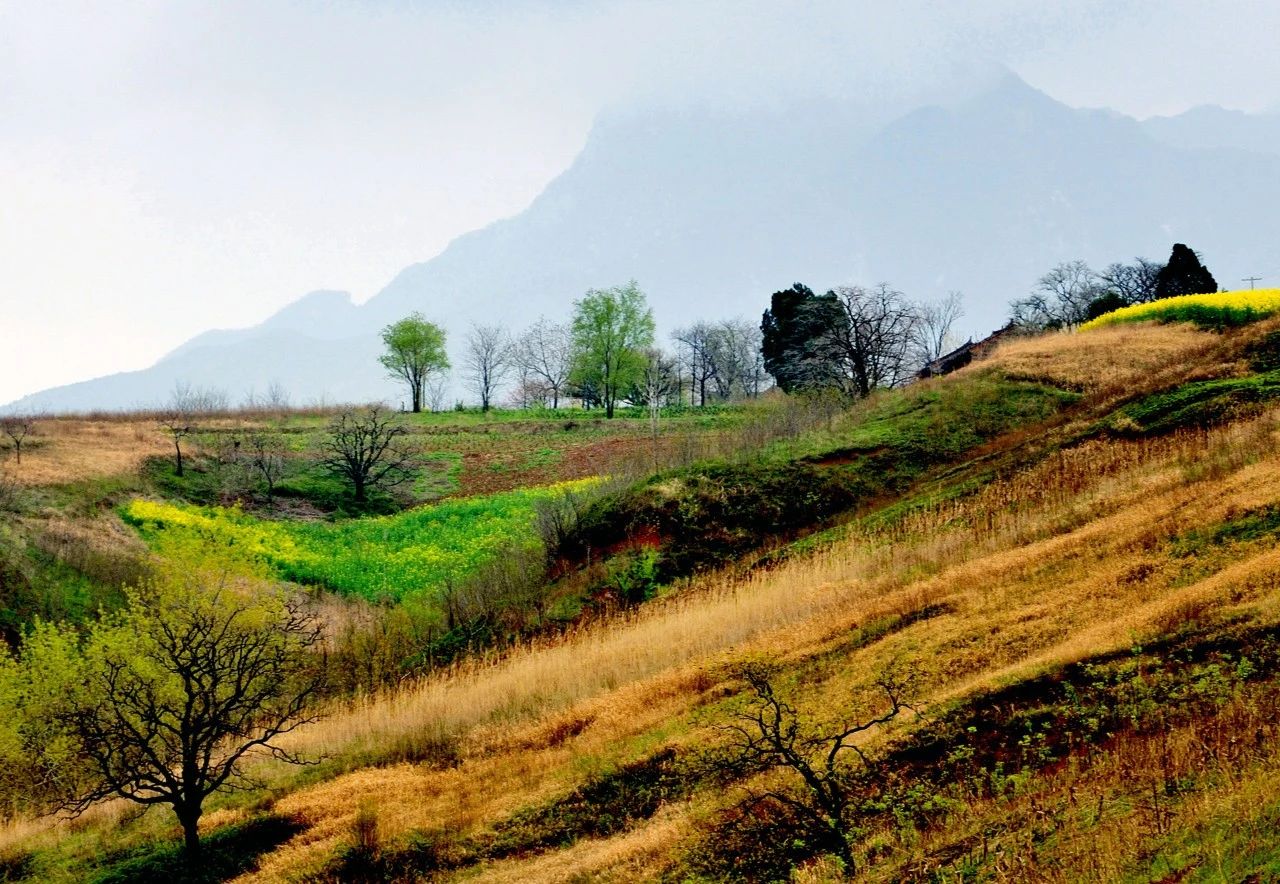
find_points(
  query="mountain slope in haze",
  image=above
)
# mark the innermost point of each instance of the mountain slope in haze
(242, 363)
(711, 212)
(323, 315)
(1209, 127)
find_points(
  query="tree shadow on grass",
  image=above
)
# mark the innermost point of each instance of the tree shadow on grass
(225, 854)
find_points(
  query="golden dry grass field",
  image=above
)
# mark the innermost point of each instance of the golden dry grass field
(1093, 547)
(71, 450)
(1023, 590)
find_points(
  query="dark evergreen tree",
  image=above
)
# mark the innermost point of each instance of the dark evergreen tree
(1184, 275)
(794, 338)
(1105, 304)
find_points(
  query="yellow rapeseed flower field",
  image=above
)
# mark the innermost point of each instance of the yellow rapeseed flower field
(1215, 310)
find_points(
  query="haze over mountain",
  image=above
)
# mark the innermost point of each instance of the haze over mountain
(1209, 127)
(712, 210)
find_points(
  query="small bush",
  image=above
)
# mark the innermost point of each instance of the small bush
(1250, 525)
(1264, 355)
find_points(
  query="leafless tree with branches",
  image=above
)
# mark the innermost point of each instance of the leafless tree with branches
(1135, 283)
(543, 354)
(177, 417)
(369, 450)
(266, 459)
(739, 365)
(17, 427)
(488, 360)
(698, 344)
(658, 385)
(872, 342)
(937, 319)
(770, 735)
(1060, 300)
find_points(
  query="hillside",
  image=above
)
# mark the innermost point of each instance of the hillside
(1052, 577)
(711, 210)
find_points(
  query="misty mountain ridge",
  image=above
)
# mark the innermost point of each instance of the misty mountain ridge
(1209, 127)
(712, 212)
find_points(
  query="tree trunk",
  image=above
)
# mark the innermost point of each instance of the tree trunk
(177, 446)
(359, 485)
(189, 817)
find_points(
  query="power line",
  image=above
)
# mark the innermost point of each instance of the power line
(1252, 280)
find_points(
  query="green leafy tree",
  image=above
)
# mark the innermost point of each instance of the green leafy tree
(163, 701)
(415, 351)
(611, 330)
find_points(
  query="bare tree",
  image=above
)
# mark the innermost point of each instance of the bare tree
(277, 398)
(1135, 283)
(488, 360)
(934, 330)
(1060, 300)
(872, 341)
(529, 391)
(543, 353)
(266, 459)
(433, 392)
(658, 383)
(17, 427)
(698, 350)
(368, 450)
(199, 400)
(178, 418)
(738, 364)
(771, 735)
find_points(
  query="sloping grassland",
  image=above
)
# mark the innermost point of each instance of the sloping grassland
(1080, 606)
(1090, 643)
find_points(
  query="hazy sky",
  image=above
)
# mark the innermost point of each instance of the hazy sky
(166, 168)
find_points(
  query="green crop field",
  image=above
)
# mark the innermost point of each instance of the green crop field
(387, 557)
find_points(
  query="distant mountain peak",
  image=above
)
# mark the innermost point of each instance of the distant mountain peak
(713, 209)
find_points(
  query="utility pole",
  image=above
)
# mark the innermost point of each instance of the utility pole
(1251, 280)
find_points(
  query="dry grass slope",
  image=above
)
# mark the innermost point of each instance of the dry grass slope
(1027, 587)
